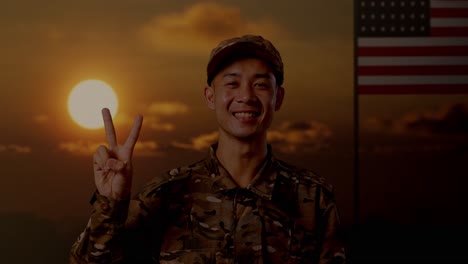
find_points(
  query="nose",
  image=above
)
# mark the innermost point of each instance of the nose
(246, 94)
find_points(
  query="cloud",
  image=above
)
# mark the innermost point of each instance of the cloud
(167, 108)
(81, 147)
(147, 148)
(156, 124)
(199, 143)
(154, 115)
(306, 136)
(288, 137)
(393, 149)
(156, 111)
(15, 148)
(448, 120)
(201, 26)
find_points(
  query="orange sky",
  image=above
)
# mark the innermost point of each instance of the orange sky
(154, 54)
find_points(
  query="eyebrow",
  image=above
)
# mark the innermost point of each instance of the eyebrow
(230, 74)
(262, 75)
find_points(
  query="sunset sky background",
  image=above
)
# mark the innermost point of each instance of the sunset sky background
(414, 148)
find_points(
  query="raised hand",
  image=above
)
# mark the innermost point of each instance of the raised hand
(113, 164)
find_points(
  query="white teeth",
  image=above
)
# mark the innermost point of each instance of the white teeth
(245, 114)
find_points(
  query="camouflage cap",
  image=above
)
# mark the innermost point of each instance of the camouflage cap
(246, 46)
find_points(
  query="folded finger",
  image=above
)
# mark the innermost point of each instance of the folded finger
(102, 155)
(98, 161)
(114, 164)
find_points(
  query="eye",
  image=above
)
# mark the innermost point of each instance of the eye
(262, 85)
(232, 84)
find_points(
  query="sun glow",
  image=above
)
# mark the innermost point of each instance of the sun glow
(86, 101)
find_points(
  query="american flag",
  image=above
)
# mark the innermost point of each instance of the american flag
(411, 46)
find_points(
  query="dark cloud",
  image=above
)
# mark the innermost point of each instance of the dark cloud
(448, 120)
(156, 110)
(451, 120)
(288, 137)
(15, 148)
(304, 135)
(421, 148)
(200, 26)
(300, 126)
(199, 143)
(87, 148)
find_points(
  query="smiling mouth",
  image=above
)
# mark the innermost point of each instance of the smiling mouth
(246, 114)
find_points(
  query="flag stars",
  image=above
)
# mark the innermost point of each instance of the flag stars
(394, 18)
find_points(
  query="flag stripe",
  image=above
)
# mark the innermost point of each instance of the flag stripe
(411, 42)
(413, 51)
(449, 12)
(411, 80)
(449, 22)
(448, 4)
(413, 89)
(412, 70)
(448, 31)
(412, 61)
(420, 47)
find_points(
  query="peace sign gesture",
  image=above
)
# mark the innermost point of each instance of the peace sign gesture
(113, 164)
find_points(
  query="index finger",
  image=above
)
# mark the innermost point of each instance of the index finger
(134, 132)
(109, 128)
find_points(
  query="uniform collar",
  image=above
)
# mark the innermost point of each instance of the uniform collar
(262, 184)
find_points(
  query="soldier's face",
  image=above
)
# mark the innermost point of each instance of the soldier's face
(244, 96)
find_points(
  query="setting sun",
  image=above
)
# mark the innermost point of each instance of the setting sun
(86, 101)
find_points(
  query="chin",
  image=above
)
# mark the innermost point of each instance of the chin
(248, 135)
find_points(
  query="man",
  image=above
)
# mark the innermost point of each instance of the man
(238, 205)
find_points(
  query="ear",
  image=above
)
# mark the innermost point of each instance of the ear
(209, 97)
(279, 97)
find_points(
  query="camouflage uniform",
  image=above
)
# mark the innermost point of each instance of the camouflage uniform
(198, 214)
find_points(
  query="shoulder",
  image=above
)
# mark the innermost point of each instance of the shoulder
(306, 178)
(172, 178)
(306, 188)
